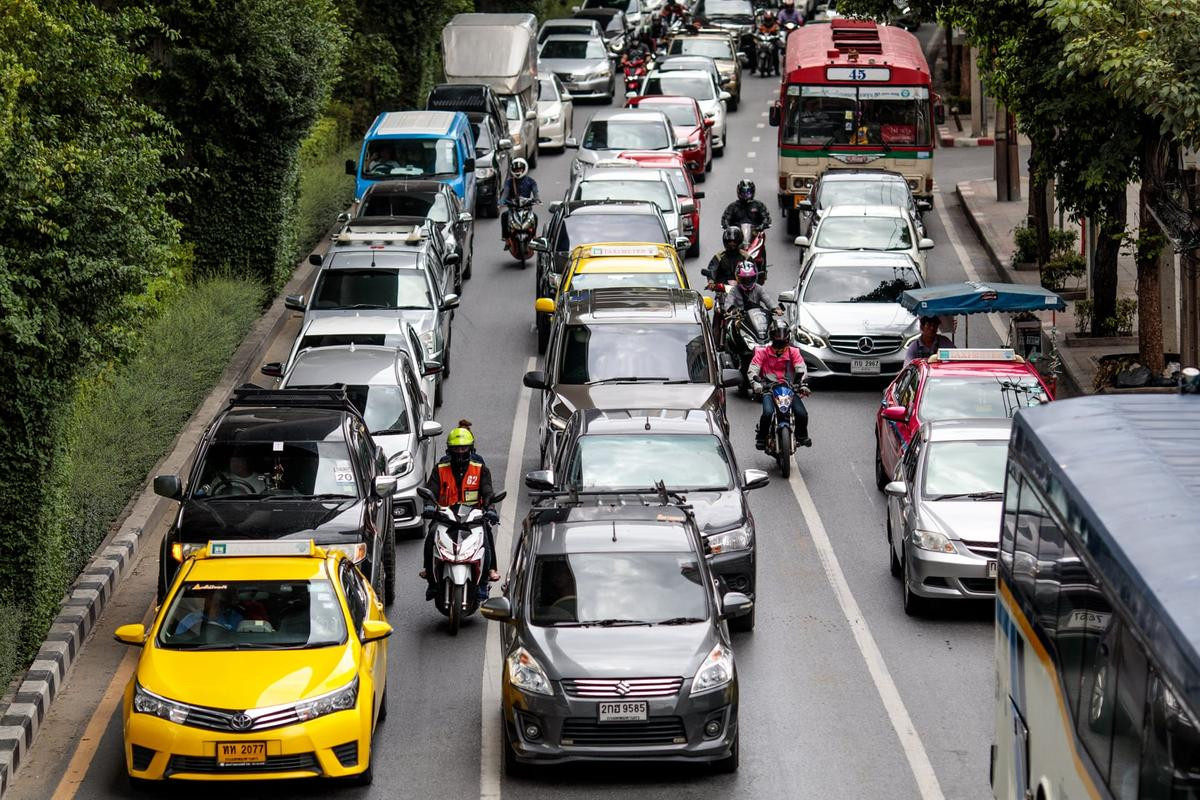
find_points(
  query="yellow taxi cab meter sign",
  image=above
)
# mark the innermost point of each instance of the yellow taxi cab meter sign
(257, 547)
(623, 250)
(976, 354)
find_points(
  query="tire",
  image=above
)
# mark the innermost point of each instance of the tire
(783, 451)
(543, 333)
(383, 703)
(492, 209)
(735, 102)
(532, 157)
(881, 479)
(729, 764)
(389, 567)
(694, 248)
(701, 176)
(446, 357)
(914, 606)
(454, 612)
(792, 228)
(437, 393)
(743, 624)
(893, 562)
(512, 767)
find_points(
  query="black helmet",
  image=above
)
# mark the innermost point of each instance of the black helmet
(732, 238)
(745, 189)
(778, 333)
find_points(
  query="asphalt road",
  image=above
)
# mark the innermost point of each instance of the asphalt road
(841, 693)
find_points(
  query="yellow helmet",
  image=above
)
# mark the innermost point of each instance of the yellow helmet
(460, 437)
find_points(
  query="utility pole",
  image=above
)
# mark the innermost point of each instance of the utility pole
(1012, 153)
(978, 113)
(1189, 275)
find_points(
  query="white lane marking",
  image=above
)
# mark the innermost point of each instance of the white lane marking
(489, 700)
(749, 170)
(751, 154)
(965, 260)
(763, 114)
(760, 125)
(756, 138)
(910, 741)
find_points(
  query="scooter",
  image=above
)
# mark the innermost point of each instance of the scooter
(745, 332)
(522, 227)
(635, 71)
(781, 439)
(459, 555)
(756, 248)
(766, 53)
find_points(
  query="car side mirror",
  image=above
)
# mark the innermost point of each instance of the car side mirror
(431, 429)
(497, 609)
(731, 378)
(504, 144)
(374, 630)
(465, 216)
(555, 205)
(351, 167)
(541, 480)
(697, 195)
(754, 479)
(272, 369)
(295, 302)
(687, 206)
(788, 296)
(531, 114)
(681, 142)
(544, 305)
(469, 165)
(572, 143)
(896, 489)
(895, 413)
(773, 116)
(431, 368)
(925, 244)
(805, 205)
(801, 241)
(682, 243)
(168, 486)
(709, 122)
(735, 604)
(453, 259)
(384, 485)
(725, 96)
(314, 259)
(449, 301)
(923, 206)
(535, 379)
(131, 634)
(540, 245)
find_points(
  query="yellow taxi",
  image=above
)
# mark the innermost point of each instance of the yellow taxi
(610, 264)
(266, 660)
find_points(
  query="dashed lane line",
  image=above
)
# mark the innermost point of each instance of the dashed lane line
(751, 154)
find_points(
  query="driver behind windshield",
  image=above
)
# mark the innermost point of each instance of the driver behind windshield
(237, 477)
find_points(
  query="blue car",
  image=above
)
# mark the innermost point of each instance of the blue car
(418, 144)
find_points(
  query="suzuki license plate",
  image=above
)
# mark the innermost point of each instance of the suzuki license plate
(991, 569)
(864, 366)
(241, 753)
(625, 711)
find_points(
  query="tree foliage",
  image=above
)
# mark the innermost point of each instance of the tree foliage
(83, 228)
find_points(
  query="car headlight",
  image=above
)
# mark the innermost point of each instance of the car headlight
(145, 702)
(715, 672)
(485, 172)
(342, 699)
(355, 552)
(181, 550)
(429, 340)
(602, 71)
(740, 538)
(551, 120)
(809, 339)
(932, 541)
(400, 464)
(526, 674)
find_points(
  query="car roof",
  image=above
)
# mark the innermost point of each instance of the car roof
(624, 174)
(673, 158)
(860, 258)
(625, 304)
(684, 72)
(627, 115)
(592, 207)
(968, 368)
(384, 258)
(967, 430)
(570, 37)
(274, 424)
(845, 174)
(323, 326)
(565, 21)
(351, 364)
(264, 568)
(415, 123)
(865, 211)
(663, 100)
(641, 421)
(611, 529)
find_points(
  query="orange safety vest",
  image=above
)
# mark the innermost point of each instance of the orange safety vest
(451, 493)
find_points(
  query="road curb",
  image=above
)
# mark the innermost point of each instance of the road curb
(91, 592)
(948, 139)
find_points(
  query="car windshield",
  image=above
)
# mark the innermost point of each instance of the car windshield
(565, 30)
(398, 205)
(409, 158)
(512, 108)
(573, 48)
(957, 470)
(646, 134)
(253, 615)
(859, 284)
(680, 114)
(612, 352)
(278, 469)
(737, 10)
(864, 193)
(615, 588)
(639, 461)
(608, 280)
(979, 397)
(650, 191)
(697, 86)
(371, 288)
(875, 115)
(713, 48)
(592, 228)
(864, 233)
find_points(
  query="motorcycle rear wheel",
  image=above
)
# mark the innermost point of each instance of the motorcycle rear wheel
(783, 451)
(454, 612)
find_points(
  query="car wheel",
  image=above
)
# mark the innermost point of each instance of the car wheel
(743, 624)
(694, 248)
(914, 605)
(701, 176)
(733, 104)
(532, 158)
(543, 333)
(881, 479)
(389, 567)
(437, 393)
(512, 767)
(729, 764)
(893, 562)
(793, 222)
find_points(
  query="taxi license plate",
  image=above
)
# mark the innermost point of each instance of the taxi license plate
(241, 753)
(625, 711)
(864, 366)
(991, 569)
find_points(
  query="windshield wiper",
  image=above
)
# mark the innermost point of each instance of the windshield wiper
(612, 623)
(627, 379)
(327, 496)
(679, 621)
(386, 431)
(365, 305)
(989, 495)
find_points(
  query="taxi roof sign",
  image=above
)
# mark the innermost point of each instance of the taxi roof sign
(649, 251)
(976, 354)
(261, 547)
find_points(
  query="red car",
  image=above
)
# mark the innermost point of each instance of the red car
(954, 384)
(681, 178)
(689, 123)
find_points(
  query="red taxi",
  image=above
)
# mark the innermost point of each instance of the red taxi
(681, 179)
(688, 122)
(952, 384)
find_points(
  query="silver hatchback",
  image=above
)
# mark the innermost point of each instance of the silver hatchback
(943, 511)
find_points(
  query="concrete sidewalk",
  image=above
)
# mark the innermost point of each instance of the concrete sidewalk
(994, 223)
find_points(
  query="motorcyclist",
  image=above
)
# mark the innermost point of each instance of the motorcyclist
(670, 12)
(722, 269)
(635, 50)
(789, 15)
(519, 184)
(747, 210)
(768, 23)
(774, 361)
(461, 477)
(747, 293)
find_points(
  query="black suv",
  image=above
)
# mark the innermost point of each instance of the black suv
(632, 452)
(286, 463)
(468, 98)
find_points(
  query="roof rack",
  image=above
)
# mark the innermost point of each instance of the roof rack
(248, 394)
(573, 497)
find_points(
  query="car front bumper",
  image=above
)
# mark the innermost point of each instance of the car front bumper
(824, 362)
(735, 571)
(948, 576)
(406, 505)
(569, 730)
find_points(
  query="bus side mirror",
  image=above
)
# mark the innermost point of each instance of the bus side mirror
(773, 116)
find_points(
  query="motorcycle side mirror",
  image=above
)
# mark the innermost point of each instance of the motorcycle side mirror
(426, 495)
(539, 244)
(499, 498)
(896, 489)
(895, 413)
(754, 479)
(788, 297)
(541, 480)
(773, 116)
(731, 378)
(497, 609)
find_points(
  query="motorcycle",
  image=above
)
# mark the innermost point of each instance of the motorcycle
(635, 70)
(745, 331)
(781, 440)
(755, 248)
(766, 53)
(459, 554)
(522, 227)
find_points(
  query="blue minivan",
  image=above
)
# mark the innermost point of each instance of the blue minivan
(418, 144)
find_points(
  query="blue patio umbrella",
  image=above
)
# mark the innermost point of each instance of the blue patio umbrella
(978, 297)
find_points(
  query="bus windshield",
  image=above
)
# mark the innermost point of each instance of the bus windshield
(866, 115)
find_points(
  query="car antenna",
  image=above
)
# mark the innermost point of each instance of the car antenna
(661, 486)
(647, 422)
(614, 524)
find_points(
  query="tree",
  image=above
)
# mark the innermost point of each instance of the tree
(1146, 55)
(83, 228)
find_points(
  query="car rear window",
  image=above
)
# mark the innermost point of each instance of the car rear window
(592, 228)
(647, 191)
(643, 134)
(610, 352)
(371, 289)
